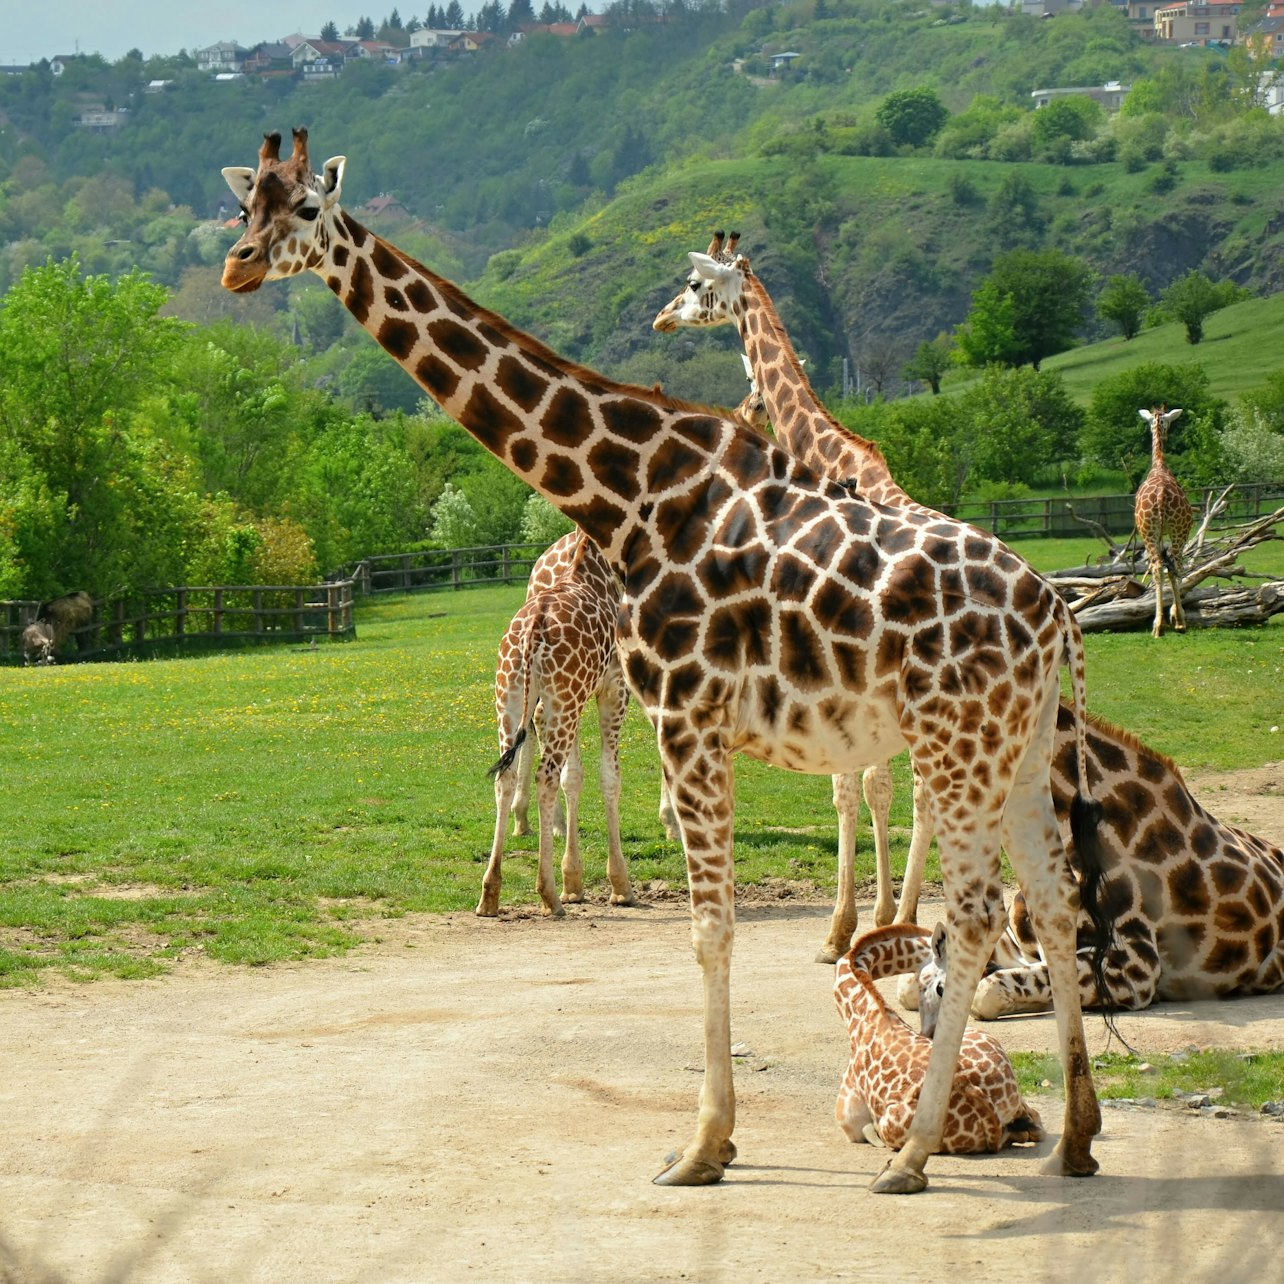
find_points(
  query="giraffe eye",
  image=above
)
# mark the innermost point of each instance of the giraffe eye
(693, 287)
(308, 212)
(244, 215)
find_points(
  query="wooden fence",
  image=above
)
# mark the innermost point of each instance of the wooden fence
(453, 568)
(1059, 518)
(177, 618)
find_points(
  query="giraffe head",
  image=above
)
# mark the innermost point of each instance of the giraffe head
(712, 293)
(287, 211)
(1159, 418)
(931, 983)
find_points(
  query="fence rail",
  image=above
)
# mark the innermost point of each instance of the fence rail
(176, 617)
(1015, 519)
(452, 568)
(160, 619)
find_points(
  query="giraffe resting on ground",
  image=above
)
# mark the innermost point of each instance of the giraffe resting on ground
(880, 1090)
(1162, 509)
(559, 652)
(765, 610)
(1198, 905)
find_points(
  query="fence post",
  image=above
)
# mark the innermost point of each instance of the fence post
(454, 568)
(298, 610)
(507, 576)
(180, 613)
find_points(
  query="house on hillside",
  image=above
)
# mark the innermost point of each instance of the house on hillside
(60, 62)
(271, 55)
(1110, 95)
(99, 120)
(383, 206)
(1141, 18)
(328, 51)
(1208, 22)
(433, 39)
(1267, 39)
(227, 55)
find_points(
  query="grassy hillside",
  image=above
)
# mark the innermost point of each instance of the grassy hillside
(1238, 352)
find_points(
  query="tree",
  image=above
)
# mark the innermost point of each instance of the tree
(912, 117)
(1193, 297)
(1018, 423)
(329, 32)
(1040, 294)
(1116, 436)
(931, 359)
(1124, 301)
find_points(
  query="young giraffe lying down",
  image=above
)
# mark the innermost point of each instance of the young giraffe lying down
(880, 1090)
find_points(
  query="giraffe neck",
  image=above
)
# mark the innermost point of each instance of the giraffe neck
(578, 439)
(803, 426)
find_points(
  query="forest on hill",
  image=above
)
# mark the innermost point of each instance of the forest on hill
(879, 179)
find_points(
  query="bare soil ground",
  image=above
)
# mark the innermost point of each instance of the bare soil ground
(488, 1100)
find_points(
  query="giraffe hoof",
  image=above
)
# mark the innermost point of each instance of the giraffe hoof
(554, 911)
(573, 898)
(870, 1133)
(829, 955)
(487, 908)
(898, 1181)
(1063, 1164)
(727, 1153)
(689, 1172)
(623, 898)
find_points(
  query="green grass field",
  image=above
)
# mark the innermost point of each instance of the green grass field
(259, 805)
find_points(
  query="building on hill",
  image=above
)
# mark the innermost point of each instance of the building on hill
(1141, 18)
(384, 205)
(1198, 22)
(226, 55)
(1110, 95)
(99, 120)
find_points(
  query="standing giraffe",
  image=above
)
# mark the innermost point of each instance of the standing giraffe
(559, 652)
(881, 1088)
(1199, 905)
(765, 610)
(1162, 509)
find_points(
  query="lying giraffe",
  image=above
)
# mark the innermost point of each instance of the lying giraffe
(764, 610)
(880, 1090)
(1199, 904)
(559, 652)
(1162, 509)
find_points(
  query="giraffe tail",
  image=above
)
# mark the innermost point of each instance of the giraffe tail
(1085, 827)
(509, 756)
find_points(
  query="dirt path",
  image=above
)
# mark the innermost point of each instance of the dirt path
(488, 1100)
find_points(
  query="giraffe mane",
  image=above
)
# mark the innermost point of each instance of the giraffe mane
(1133, 742)
(795, 362)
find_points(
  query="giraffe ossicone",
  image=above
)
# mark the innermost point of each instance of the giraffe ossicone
(765, 610)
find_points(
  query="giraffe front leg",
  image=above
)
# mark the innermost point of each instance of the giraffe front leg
(1157, 576)
(611, 706)
(548, 778)
(973, 885)
(876, 784)
(488, 905)
(698, 770)
(842, 926)
(1178, 611)
(572, 862)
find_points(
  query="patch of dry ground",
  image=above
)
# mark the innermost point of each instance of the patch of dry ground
(489, 1099)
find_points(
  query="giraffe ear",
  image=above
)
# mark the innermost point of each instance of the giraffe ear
(748, 366)
(240, 180)
(709, 269)
(1171, 415)
(1147, 416)
(938, 945)
(332, 180)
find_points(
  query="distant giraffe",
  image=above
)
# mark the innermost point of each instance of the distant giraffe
(559, 652)
(1199, 905)
(765, 610)
(880, 1090)
(1162, 509)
